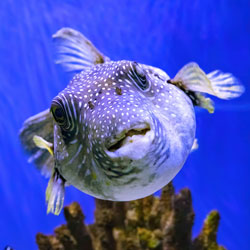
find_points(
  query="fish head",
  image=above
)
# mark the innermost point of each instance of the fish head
(114, 128)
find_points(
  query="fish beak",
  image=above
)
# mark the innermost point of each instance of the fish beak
(133, 143)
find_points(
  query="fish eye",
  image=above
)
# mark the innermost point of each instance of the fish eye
(58, 113)
(62, 119)
(140, 77)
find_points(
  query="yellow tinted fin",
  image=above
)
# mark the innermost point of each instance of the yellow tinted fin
(204, 102)
(55, 193)
(41, 143)
(217, 83)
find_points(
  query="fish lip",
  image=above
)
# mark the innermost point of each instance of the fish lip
(118, 140)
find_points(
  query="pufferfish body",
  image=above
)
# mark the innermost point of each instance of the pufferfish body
(120, 130)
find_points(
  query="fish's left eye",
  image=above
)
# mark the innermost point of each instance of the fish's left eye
(140, 77)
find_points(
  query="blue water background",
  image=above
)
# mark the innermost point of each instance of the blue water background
(163, 33)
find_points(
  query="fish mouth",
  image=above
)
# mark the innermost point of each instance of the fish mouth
(132, 143)
(127, 137)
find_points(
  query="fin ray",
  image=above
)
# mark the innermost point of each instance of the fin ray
(225, 85)
(217, 83)
(194, 78)
(55, 193)
(75, 52)
(72, 59)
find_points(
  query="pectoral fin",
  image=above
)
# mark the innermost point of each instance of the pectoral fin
(195, 145)
(39, 125)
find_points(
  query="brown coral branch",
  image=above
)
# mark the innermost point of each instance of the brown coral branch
(207, 239)
(163, 223)
(178, 228)
(74, 217)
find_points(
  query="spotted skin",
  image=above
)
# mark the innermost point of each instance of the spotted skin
(98, 107)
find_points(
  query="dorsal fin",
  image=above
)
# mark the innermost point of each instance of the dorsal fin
(75, 52)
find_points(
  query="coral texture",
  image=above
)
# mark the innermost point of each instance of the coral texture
(163, 223)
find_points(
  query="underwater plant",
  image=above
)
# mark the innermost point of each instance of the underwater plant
(160, 223)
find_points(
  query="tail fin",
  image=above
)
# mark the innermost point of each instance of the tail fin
(217, 83)
(41, 125)
(225, 85)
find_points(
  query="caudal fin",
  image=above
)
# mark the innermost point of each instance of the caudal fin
(217, 83)
(225, 85)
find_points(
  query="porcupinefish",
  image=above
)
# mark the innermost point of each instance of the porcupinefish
(120, 130)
